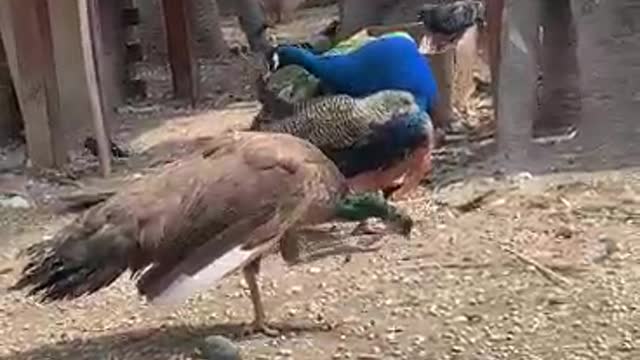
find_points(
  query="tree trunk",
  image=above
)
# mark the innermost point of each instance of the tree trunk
(208, 29)
(560, 101)
(518, 80)
(252, 21)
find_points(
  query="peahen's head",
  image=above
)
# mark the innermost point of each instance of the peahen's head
(362, 206)
(394, 101)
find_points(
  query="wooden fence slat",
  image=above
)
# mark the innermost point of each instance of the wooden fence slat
(181, 49)
(26, 35)
(91, 73)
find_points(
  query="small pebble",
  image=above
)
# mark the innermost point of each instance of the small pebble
(368, 357)
(219, 348)
(285, 352)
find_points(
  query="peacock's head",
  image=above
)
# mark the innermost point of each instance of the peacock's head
(283, 55)
(358, 207)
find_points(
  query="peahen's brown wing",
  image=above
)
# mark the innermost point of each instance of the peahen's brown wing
(190, 225)
(207, 218)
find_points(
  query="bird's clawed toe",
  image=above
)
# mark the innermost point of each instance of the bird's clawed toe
(366, 228)
(259, 327)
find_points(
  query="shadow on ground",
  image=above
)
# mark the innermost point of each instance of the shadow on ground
(159, 343)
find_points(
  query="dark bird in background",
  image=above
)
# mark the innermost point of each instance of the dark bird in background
(116, 151)
(448, 22)
(201, 219)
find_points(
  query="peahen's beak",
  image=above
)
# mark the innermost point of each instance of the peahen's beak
(401, 224)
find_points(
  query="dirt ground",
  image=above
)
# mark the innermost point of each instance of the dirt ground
(540, 265)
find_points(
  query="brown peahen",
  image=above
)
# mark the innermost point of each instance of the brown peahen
(201, 219)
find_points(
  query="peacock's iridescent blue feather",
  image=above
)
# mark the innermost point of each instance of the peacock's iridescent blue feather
(387, 144)
(386, 63)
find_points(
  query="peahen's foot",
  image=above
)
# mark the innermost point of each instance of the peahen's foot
(259, 327)
(366, 228)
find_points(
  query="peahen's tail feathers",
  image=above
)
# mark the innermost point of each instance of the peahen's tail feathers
(77, 262)
(77, 202)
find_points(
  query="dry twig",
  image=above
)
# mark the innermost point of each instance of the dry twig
(551, 275)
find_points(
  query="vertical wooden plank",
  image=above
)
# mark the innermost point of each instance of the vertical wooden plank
(75, 68)
(27, 41)
(495, 16)
(10, 120)
(181, 48)
(103, 75)
(442, 66)
(91, 76)
(518, 79)
(109, 45)
(68, 55)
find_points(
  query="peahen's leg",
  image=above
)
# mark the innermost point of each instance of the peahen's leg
(319, 244)
(259, 323)
(420, 161)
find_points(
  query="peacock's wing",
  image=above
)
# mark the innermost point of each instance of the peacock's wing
(232, 210)
(351, 44)
(293, 84)
(329, 122)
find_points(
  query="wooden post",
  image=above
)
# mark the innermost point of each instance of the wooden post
(442, 65)
(91, 75)
(181, 48)
(78, 85)
(495, 17)
(466, 59)
(518, 79)
(26, 35)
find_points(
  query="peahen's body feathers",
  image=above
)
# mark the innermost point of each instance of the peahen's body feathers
(359, 135)
(183, 229)
(385, 63)
(187, 217)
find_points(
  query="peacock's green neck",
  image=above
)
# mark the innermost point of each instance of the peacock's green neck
(358, 207)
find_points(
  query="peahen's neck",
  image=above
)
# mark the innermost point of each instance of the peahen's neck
(358, 207)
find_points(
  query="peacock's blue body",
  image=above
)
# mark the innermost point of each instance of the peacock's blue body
(386, 63)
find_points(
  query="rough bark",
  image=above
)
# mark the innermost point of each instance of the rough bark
(560, 96)
(518, 78)
(207, 29)
(252, 21)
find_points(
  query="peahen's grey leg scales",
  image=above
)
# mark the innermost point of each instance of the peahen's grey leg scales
(259, 323)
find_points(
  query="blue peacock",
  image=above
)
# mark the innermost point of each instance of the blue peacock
(391, 62)
(367, 74)
(372, 139)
